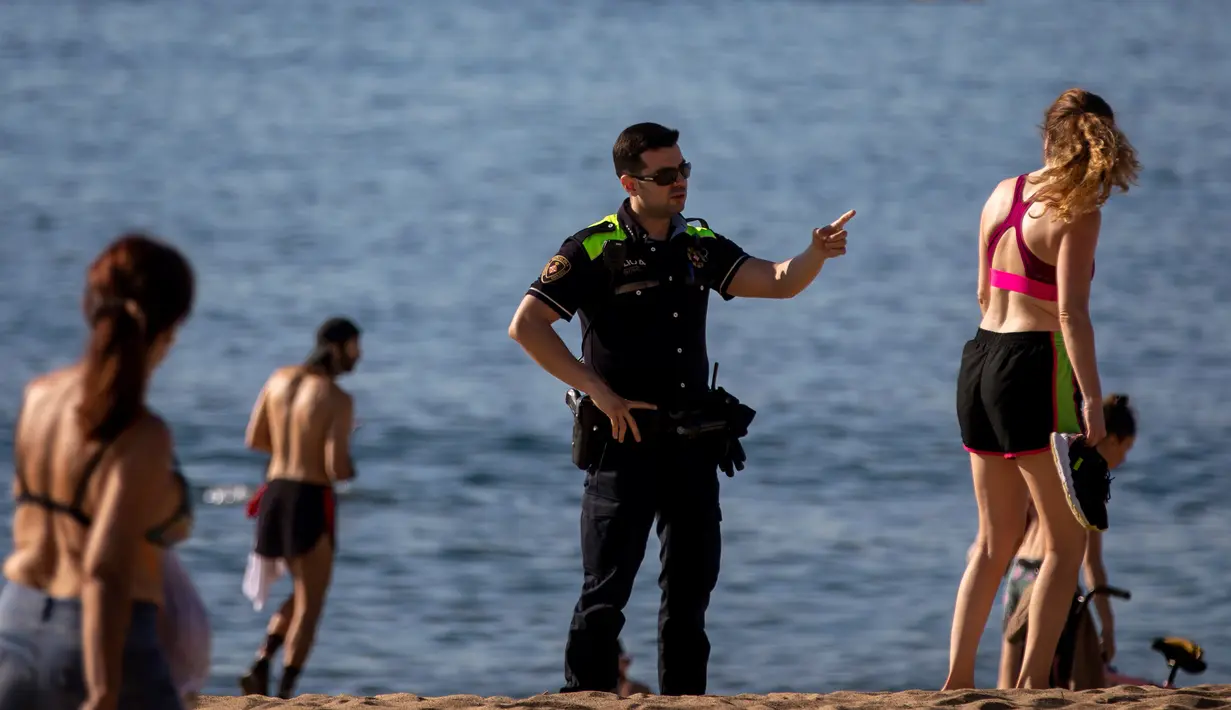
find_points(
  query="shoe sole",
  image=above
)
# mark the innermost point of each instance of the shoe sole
(1060, 455)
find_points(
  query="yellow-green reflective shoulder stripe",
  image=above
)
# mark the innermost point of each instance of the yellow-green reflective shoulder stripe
(594, 242)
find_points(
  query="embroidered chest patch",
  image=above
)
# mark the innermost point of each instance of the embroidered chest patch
(698, 256)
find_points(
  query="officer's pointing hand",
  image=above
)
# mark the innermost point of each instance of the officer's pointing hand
(619, 411)
(830, 240)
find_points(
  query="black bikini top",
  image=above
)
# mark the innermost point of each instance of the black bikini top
(167, 533)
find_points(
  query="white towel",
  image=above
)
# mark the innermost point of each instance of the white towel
(259, 576)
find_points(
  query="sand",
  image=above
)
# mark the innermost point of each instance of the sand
(1122, 698)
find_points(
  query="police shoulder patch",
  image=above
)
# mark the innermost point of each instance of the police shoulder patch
(556, 268)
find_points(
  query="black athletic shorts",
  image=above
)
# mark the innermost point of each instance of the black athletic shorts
(291, 517)
(1013, 391)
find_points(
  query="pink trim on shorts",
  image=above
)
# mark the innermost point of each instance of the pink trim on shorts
(1015, 454)
(1010, 455)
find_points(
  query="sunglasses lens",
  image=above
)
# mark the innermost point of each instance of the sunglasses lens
(668, 176)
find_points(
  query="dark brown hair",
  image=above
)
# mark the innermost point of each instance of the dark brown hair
(137, 289)
(1086, 153)
(637, 139)
(1118, 416)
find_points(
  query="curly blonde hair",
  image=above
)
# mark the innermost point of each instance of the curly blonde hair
(1086, 155)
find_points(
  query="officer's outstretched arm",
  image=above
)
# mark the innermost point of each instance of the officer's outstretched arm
(532, 329)
(758, 278)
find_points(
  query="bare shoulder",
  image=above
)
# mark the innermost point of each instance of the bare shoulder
(340, 398)
(32, 397)
(34, 391)
(1088, 223)
(151, 430)
(1009, 183)
(280, 379)
(997, 206)
(282, 374)
(42, 400)
(149, 436)
(1082, 228)
(46, 384)
(1001, 198)
(1003, 192)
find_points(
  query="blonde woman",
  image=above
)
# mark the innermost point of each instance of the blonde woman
(1028, 393)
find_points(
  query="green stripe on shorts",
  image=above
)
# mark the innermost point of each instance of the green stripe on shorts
(1068, 419)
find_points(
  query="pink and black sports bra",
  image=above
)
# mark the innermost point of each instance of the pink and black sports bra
(1039, 280)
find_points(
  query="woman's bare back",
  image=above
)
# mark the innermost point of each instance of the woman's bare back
(51, 523)
(1010, 311)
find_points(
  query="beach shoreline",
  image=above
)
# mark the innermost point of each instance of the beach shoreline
(1125, 696)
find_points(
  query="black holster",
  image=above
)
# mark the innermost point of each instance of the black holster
(591, 430)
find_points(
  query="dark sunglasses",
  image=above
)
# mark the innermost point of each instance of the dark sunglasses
(667, 176)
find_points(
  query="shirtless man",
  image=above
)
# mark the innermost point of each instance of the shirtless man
(304, 421)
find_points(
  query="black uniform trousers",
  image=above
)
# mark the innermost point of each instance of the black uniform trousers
(677, 483)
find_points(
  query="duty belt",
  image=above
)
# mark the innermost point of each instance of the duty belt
(718, 419)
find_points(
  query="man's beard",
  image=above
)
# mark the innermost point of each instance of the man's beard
(334, 362)
(666, 209)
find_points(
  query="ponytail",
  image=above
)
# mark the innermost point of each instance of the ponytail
(113, 384)
(1087, 156)
(136, 290)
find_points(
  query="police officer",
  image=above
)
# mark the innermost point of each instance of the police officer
(641, 280)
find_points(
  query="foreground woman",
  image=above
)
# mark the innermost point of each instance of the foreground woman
(98, 501)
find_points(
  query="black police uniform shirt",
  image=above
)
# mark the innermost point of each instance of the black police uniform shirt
(643, 323)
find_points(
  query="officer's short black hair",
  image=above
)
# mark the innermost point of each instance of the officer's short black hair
(637, 139)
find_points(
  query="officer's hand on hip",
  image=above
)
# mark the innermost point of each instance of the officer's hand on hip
(619, 411)
(830, 240)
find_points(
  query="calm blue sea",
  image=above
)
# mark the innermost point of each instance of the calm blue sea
(414, 165)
